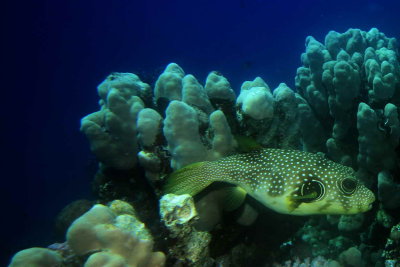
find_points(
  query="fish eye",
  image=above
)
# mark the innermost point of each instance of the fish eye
(312, 190)
(348, 185)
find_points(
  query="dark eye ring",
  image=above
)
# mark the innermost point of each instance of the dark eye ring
(348, 185)
(313, 188)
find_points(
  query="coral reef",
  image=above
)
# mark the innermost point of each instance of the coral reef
(199, 123)
(256, 101)
(112, 238)
(69, 214)
(345, 107)
(351, 257)
(112, 130)
(103, 236)
(350, 222)
(179, 215)
(351, 86)
(36, 257)
(388, 190)
(308, 262)
(392, 248)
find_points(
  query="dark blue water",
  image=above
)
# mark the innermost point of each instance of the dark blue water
(56, 52)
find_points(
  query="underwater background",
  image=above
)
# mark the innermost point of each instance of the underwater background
(55, 54)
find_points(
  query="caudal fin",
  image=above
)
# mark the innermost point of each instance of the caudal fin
(189, 180)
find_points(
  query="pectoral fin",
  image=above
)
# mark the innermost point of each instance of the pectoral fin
(235, 196)
(294, 201)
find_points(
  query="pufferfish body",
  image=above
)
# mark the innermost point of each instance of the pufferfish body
(287, 181)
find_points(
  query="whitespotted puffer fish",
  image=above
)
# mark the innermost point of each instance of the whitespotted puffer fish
(287, 181)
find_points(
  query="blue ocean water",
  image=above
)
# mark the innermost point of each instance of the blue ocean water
(55, 53)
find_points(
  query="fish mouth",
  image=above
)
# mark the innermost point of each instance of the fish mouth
(372, 200)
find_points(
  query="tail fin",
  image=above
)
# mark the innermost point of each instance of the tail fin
(189, 180)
